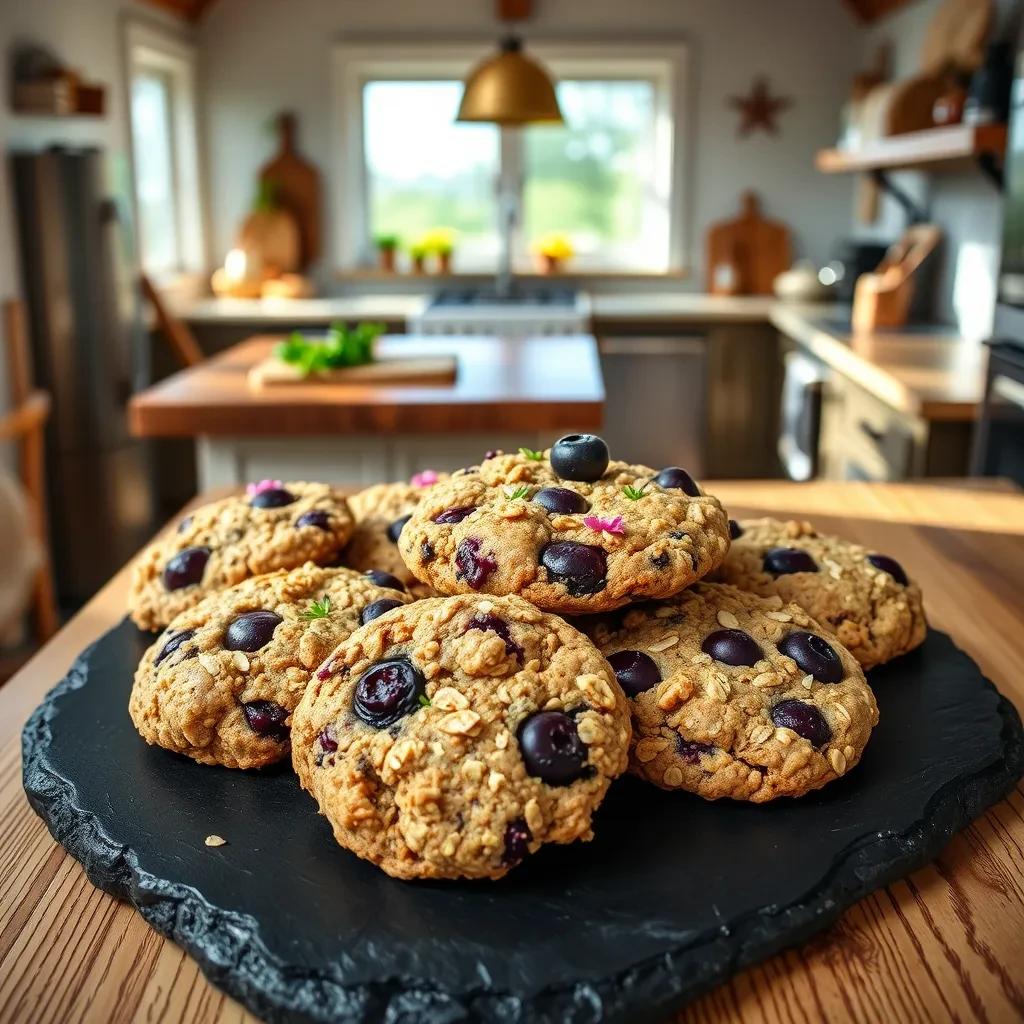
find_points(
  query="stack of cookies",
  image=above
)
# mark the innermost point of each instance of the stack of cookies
(460, 667)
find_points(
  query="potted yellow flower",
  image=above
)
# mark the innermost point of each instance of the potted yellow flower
(440, 242)
(553, 250)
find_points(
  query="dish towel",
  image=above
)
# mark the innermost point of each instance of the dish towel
(20, 556)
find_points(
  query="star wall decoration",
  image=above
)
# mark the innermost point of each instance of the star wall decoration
(759, 108)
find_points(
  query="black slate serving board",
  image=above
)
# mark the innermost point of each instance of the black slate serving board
(673, 895)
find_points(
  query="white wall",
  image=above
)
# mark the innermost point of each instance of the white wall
(963, 202)
(261, 56)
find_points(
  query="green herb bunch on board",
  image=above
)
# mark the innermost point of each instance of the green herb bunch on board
(343, 346)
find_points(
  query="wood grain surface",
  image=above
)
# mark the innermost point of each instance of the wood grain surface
(502, 385)
(947, 943)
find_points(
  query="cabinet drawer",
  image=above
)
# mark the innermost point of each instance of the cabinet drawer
(877, 435)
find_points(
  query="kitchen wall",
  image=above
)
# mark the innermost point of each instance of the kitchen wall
(963, 202)
(259, 56)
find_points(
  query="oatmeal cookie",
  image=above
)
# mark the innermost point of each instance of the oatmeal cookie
(380, 513)
(735, 695)
(221, 681)
(455, 736)
(865, 598)
(565, 536)
(274, 526)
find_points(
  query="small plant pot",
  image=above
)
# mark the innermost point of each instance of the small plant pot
(549, 264)
(386, 260)
(418, 265)
(444, 262)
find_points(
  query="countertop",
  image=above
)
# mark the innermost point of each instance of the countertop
(502, 385)
(944, 943)
(923, 371)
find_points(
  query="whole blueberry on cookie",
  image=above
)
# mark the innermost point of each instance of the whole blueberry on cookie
(272, 526)
(568, 530)
(380, 512)
(222, 681)
(863, 596)
(735, 695)
(455, 736)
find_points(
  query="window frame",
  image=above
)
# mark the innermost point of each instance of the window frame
(665, 63)
(147, 49)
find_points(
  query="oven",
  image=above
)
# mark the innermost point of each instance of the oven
(999, 440)
(803, 387)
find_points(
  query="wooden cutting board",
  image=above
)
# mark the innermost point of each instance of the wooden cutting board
(297, 188)
(422, 370)
(758, 250)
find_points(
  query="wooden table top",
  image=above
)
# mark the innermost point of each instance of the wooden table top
(945, 943)
(502, 385)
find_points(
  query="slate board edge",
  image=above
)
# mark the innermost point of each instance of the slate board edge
(228, 949)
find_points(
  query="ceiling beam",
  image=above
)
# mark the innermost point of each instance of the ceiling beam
(191, 10)
(871, 10)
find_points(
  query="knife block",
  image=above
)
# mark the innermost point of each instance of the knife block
(882, 297)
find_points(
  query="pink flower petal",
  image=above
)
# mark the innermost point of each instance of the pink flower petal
(424, 478)
(264, 485)
(613, 525)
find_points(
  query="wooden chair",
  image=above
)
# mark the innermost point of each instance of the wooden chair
(178, 336)
(25, 425)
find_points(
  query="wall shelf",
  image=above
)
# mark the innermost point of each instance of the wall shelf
(984, 143)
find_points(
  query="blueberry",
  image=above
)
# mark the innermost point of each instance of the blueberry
(395, 529)
(491, 453)
(735, 530)
(489, 622)
(184, 524)
(275, 497)
(376, 609)
(173, 644)
(580, 567)
(266, 718)
(517, 842)
(804, 719)
(635, 671)
(889, 565)
(384, 579)
(387, 692)
(473, 567)
(552, 749)
(427, 552)
(674, 478)
(781, 561)
(813, 655)
(561, 499)
(328, 740)
(316, 517)
(454, 515)
(186, 568)
(732, 647)
(579, 457)
(251, 631)
(690, 750)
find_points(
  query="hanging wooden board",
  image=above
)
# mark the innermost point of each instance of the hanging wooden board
(414, 370)
(296, 185)
(758, 250)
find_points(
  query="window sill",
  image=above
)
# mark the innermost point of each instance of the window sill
(577, 276)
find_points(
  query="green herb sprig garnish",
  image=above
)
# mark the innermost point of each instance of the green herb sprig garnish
(424, 701)
(530, 454)
(635, 493)
(318, 609)
(342, 347)
(512, 493)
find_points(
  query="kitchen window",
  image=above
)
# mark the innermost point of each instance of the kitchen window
(161, 73)
(610, 178)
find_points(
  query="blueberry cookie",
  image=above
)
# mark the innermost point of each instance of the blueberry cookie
(865, 598)
(273, 526)
(456, 735)
(221, 681)
(735, 695)
(380, 513)
(566, 529)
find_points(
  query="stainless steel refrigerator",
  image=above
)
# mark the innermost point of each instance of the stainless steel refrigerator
(89, 353)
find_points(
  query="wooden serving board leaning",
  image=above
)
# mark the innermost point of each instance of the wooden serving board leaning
(419, 370)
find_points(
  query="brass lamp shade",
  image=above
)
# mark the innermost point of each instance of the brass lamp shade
(511, 89)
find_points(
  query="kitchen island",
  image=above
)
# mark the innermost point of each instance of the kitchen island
(945, 941)
(507, 392)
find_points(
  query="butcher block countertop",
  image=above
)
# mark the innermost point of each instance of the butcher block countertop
(502, 385)
(945, 943)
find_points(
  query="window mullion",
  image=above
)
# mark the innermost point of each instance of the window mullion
(511, 182)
